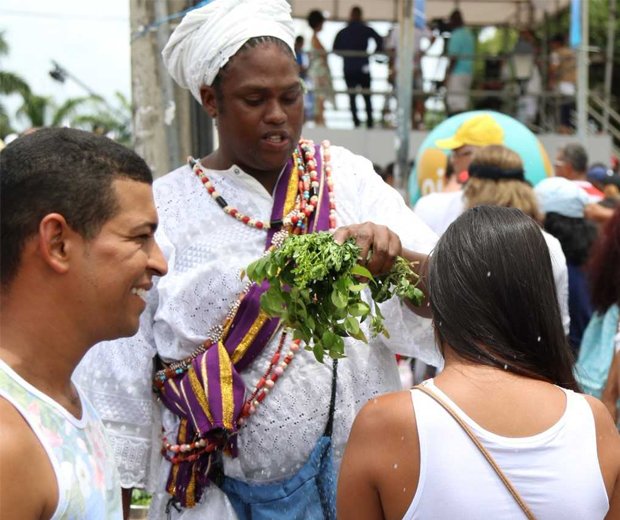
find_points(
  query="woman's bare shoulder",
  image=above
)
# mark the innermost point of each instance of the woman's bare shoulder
(384, 412)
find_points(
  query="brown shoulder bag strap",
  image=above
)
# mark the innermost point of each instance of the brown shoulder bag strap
(482, 449)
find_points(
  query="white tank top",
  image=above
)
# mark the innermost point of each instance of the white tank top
(86, 475)
(556, 472)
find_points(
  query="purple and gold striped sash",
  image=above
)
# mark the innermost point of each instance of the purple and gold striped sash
(209, 397)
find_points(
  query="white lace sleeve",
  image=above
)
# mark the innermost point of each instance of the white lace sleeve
(410, 334)
(117, 378)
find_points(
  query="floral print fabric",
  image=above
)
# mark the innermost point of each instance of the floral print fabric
(87, 478)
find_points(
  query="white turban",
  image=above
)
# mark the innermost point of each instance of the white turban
(209, 36)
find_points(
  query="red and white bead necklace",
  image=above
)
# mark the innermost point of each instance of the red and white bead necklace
(307, 198)
(276, 367)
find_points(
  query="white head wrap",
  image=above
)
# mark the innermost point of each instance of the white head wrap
(209, 36)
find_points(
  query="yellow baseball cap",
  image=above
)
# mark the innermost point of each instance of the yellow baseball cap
(480, 130)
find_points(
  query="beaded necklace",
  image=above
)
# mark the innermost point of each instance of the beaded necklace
(307, 198)
(277, 365)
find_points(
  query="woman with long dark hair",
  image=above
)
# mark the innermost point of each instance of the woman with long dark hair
(604, 266)
(318, 71)
(509, 386)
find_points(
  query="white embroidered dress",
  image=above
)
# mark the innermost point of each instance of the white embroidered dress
(206, 250)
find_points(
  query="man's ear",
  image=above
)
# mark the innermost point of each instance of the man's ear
(209, 100)
(56, 242)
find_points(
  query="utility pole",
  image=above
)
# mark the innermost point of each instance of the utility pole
(167, 84)
(405, 73)
(148, 117)
(582, 75)
(609, 62)
(161, 113)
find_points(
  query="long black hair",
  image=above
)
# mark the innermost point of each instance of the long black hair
(493, 296)
(604, 266)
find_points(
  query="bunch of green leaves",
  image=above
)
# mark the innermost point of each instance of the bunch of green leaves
(139, 497)
(316, 285)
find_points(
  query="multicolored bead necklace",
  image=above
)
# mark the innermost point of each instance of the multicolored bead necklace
(186, 452)
(214, 335)
(307, 198)
(276, 367)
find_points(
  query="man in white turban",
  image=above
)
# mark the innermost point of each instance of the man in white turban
(240, 404)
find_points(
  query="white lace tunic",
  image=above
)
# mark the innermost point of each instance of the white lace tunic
(206, 250)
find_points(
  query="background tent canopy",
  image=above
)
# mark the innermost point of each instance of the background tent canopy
(479, 13)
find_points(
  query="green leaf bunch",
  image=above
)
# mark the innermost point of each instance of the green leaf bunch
(316, 285)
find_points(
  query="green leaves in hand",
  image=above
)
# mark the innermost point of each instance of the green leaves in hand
(316, 289)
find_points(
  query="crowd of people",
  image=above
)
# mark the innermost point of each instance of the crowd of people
(571, 207)
(522, 69)
(352, 43)
(133, 354)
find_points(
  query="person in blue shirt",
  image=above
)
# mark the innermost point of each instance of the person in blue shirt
(355, 37)
(461, 49)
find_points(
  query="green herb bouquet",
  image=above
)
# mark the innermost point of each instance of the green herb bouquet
(316, 289)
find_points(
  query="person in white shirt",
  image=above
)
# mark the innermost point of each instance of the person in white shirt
(508, 381)
(496, 178)
(572, 163)
(218, 214)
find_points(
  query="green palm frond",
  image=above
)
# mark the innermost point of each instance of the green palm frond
(11, 83)
(5, 123)
(4, 46)
(124, 103)
(71, 106)
(35, 109)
